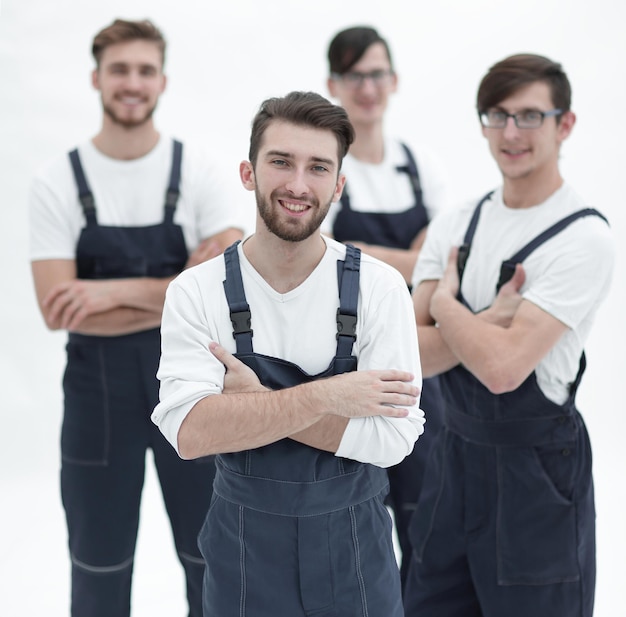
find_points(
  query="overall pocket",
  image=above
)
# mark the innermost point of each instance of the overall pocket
(536, 528)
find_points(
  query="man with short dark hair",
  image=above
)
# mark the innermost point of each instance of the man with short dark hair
(111, 225)
(298, 524)
(505, 295)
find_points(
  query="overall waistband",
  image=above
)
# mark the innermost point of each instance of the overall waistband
(300, 498)
(132, 338)
(514, 432)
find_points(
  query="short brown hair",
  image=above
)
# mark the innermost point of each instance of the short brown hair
(349, 45)
(305, 109)
(123, 31)
(509, 75)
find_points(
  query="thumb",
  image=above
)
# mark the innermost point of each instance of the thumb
(518, 278)
(226, 358)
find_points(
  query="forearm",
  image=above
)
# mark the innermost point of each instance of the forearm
(325, 434)
(493, 354)
(435, 355)
(118, 322)
(145, 293)
(234, 422)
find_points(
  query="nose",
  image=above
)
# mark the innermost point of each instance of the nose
(510, 129)
(367, 84)
(133, 80)
(296, 183)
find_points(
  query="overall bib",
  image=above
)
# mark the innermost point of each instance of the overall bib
(505, 525)
(110, 389)
(293, 530)
(398, 230)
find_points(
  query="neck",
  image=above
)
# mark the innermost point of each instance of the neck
(531, 190)
(369, 143)
(125, 143)
(283, 265)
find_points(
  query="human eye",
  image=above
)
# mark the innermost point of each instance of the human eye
(148, 71)
(353, 77)
(496, 117)
(378, 75)
(118, 69)
(531, 116)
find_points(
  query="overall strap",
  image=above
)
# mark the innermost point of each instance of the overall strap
(85, 196)
(236, 297)
(240, 315)
(411, 169)
(173, 187)
(348, 273)
(507, 268)
(464, 249)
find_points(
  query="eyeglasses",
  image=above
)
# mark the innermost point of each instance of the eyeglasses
(355, 79)
(526, 119)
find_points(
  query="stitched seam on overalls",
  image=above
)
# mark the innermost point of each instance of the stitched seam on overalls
(103, 569)
(242, 566)
(357, 561)
(107, 410)
(196, 561)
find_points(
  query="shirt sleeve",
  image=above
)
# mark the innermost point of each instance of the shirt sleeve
(578, 270)
(54, 222)
(188, 372)
(389, 341)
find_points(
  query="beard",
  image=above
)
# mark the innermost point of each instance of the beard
(128, 123)
(292, 230)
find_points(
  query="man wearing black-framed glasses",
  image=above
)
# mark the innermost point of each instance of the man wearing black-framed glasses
(505, 524)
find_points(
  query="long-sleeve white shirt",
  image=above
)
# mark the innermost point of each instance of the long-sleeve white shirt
(298, 326)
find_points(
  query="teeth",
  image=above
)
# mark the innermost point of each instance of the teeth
(295, 207)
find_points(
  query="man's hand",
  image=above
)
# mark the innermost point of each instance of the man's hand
(448, 286)
(69, 303)
(369, 393)
(504, 307)
(239, 377)
(206, 250)
(351, 395)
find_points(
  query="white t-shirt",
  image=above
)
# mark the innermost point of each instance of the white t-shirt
(298, 326)
(568, 276)
(381, 188)
(130, 193)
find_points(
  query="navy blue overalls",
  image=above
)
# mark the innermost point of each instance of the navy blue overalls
(505, 525)
(398, 230)
(110, 389)
(293, 530)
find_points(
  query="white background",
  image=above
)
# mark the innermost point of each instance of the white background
(223, 59)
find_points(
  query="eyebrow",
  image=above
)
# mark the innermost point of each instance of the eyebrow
(314, 159)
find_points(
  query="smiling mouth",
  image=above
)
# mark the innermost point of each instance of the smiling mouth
(130, 100)
(511, 152)
(296, 208)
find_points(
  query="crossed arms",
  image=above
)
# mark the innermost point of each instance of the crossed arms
(109, 307)
(248, 415)
(500, 346)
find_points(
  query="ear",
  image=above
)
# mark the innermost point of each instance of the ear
(394, 83)
(568, 120)
(95, 82)
(341, 180)
(331, 84)
(163, 83)
(246, 173)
